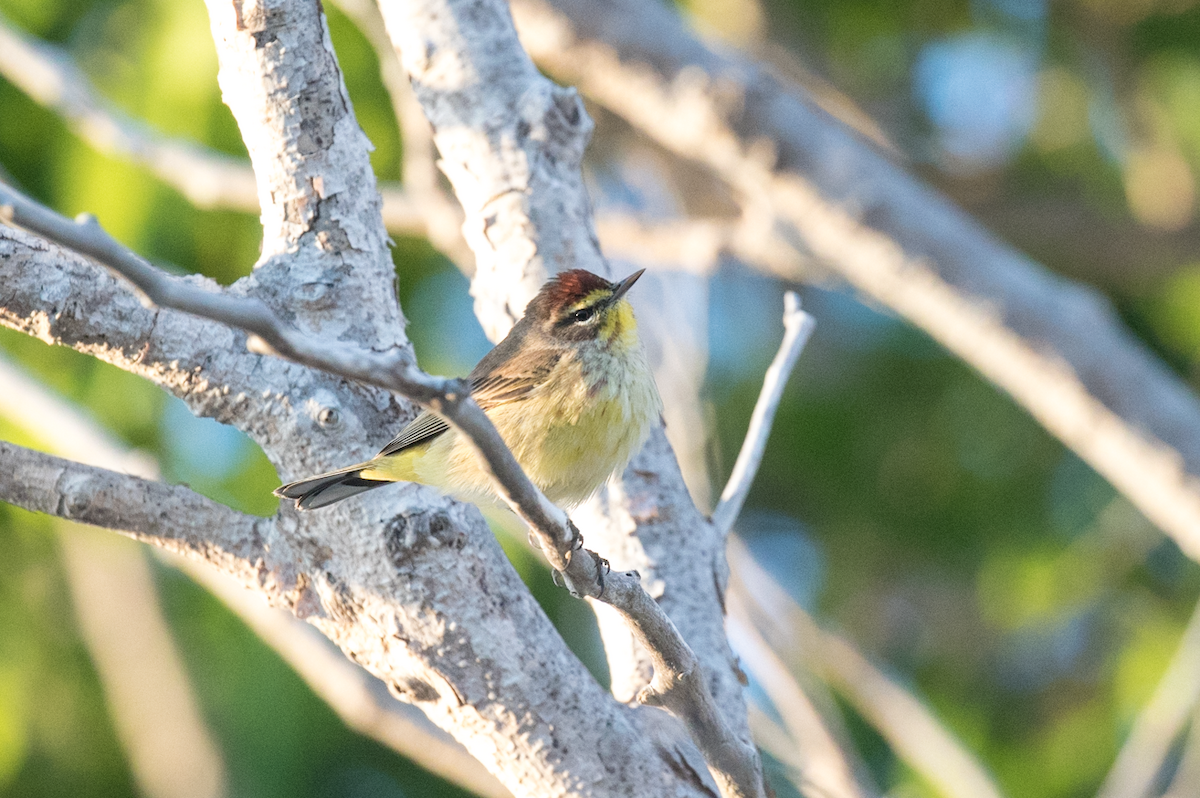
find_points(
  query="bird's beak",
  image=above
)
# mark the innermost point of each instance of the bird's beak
(625, 285)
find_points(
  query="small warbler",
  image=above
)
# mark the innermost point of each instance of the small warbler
(569, 390)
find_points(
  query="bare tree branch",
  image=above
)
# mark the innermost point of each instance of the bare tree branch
(361, 700)
(677, 684)
(1160, 722)
(798, 326)
(374, 576)
(441, 215)
(198, 527)
(210, 179)
(901, 718)
(1055, 346)
(511, 143)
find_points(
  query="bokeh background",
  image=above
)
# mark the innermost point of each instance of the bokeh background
(902, 500)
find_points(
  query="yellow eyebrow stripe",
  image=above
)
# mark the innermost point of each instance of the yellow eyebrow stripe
(591, 299)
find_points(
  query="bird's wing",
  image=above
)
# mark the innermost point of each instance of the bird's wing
(495, 381)
(512, 379)
(424, 427)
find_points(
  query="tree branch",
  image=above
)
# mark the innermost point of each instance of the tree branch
(361, 700)
(676, 681)
(511, 144)
(211, 179)
(385, 577)
(798, 326)
(1055, 346)
(195, 526)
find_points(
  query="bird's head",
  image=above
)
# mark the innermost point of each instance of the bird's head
(577, 306)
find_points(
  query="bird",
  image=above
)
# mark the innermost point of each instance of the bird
(569, 390)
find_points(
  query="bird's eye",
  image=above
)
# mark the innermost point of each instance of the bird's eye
(583, 315)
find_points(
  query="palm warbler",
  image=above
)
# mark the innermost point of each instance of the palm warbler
(568, 389)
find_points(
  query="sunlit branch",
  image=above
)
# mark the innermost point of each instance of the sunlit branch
(361, 700)
(677, 682)
(358, 698)
(201, 528)
(440, 214)
(798, 326)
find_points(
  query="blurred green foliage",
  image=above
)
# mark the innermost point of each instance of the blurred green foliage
(948, 534)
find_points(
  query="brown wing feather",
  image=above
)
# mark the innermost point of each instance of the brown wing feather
(502, 376)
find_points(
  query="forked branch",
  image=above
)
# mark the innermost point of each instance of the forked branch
(677, 684)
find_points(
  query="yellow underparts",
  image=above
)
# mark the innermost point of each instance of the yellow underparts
(570, 434)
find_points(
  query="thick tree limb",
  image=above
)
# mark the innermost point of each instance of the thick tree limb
(361, 700)
(676, 685)
(171, 517)
(528, 216)
(510, 142)
(798, 326)
(376, 576)
(1056, 347)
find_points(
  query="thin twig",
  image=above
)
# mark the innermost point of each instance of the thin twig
(677, 685)
(1160, 721)
(797, 326)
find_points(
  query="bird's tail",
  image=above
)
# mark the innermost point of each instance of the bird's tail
(325, 489)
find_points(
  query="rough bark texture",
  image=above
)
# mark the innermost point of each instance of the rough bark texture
(528, 216)
(410, 585)
(510, 142)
